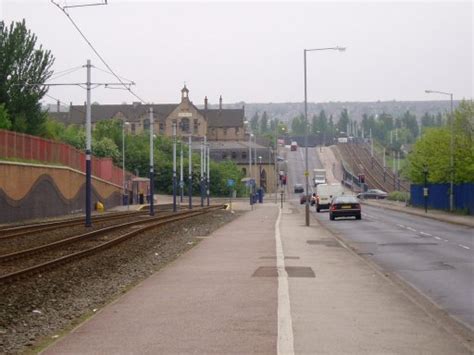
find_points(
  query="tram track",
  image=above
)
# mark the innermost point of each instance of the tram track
(13, 267)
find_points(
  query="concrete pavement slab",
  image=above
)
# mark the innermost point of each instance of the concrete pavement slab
(348, 307)
(205, 302)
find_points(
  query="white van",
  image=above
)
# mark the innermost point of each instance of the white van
(325, 193)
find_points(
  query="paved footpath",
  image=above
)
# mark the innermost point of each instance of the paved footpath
(263, 284)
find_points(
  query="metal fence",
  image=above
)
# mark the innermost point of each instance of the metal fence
(21, 146)
(438, 197)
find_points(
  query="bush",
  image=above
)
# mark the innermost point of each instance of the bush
(398, 196)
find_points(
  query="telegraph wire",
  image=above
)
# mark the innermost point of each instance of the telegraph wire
(96, 52)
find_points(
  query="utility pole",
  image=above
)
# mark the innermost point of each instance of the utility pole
(190, 178)
(174, 166)
(202, 173)
(88, 146)
(152, 173)
(275, 154)
(208, 176)
(181, 177)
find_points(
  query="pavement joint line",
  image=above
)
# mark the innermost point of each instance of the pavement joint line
(465, 247)
(285, 343)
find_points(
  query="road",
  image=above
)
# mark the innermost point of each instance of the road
(436, 258)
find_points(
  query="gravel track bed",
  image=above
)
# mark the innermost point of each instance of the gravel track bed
(35, 311)
(12, 245)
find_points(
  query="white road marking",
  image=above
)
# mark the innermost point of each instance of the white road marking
(285, 324)
(401, 225)
(411, 229)
(438, 238)
(427, 234)
(465, 247)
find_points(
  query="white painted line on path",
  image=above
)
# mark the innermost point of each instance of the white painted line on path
(465, 247)
(285, 324)
(427, 234)
(401, 225)
(438, 238)
(411, 229)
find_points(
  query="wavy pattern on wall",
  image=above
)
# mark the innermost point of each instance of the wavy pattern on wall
(44, 199)
(17, 180)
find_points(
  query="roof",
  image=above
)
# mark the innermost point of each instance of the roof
(133, 112)
(224, 117)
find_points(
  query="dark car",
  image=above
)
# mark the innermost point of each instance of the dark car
(345, 206)
(373, 193)
(299, 188)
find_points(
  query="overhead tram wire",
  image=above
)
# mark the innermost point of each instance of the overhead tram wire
(96, 52)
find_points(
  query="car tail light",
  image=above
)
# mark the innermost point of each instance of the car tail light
(333, 207)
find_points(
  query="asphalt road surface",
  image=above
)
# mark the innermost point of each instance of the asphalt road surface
(437, 258)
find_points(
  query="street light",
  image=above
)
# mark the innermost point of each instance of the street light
(306, 173)
(451, 158)
(260, 173)
(125, 123)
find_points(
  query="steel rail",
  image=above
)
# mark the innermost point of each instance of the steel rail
(68, 258)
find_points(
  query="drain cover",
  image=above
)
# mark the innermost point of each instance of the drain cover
(325, 242)
(405, 244)
(292, 271)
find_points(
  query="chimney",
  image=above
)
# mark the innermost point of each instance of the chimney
(58, 105)
(205, 103)
(220, 102)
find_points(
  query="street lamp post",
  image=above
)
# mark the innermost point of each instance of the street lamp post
(174, 166)
(306, 173)
(260, 173)
(123, 163)
(451, 148)
(152, 165)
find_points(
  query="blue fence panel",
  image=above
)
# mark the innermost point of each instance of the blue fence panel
(438, 197)
(464, 197)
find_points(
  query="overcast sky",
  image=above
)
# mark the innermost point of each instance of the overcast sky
(253, 51)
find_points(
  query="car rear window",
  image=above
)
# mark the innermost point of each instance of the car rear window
(345, 199)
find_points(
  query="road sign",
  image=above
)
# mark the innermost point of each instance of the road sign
(306, 173)
(230, 182)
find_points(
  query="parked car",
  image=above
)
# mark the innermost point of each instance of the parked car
(373, 193)
(345, 206)
(298, 188)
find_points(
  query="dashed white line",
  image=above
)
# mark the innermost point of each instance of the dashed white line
(438, 238)
(465, 247)
(427, 234)
(401, 225)
(411, 229)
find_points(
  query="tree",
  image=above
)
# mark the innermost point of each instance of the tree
(298, 125)
(433, 150)
(105, 147)
(264, 123)
(343, 121)
(254, 122)
(22, 63)
(5, 122)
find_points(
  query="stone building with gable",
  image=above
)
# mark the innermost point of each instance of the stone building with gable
(224, 128)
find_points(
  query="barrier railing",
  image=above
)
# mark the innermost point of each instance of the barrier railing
(14, 145)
